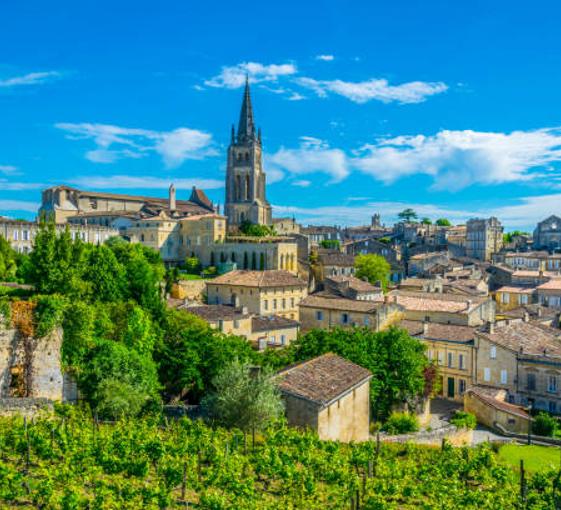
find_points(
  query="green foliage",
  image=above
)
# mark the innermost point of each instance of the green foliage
(509, 236)
(396, 360)
(332, 244)
(5, 312)
(401, 423)
(8, 261)
(374, 268)
(385, 240)
(408, 215)
(426, 221)
(464, 420)
(443, 222)
(193, 265)
(544, 425)
(109, 360)
(145, 463)
(118, 399)
(244, 399)
(49, 313)
(251, 229)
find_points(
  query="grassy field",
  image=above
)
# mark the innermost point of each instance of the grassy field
(536, 458)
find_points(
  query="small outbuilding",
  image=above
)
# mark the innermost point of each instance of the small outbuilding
(330, 395)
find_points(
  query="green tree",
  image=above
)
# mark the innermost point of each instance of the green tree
(193, 265)
(443, 222)
(104, 274)
(332, 244)
(251, 229)
(244, 398)
(8, 261)
(118, 399)
(426, 221)
(374, 268)
(509, 236)
(408, 215)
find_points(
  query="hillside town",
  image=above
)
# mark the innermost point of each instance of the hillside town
(485, 303)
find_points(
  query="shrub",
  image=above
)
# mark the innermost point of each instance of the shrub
(544, 425)
(464, 420)
(401, 423)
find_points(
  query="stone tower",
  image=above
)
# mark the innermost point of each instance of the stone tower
(245, 178)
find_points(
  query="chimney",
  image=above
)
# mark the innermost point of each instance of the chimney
(425, 328)
(526, 317)
(172, 205)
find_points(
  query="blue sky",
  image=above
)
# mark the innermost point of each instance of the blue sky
(449, 107)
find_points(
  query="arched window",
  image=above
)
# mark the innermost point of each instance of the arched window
(245, 261)
(233, 257)
(262, 262)
(238, 187)
(246, 193)
(253, 261)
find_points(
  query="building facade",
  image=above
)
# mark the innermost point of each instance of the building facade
(484, 237)
(547, 234)
(245, 177)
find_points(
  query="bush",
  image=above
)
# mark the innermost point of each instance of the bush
(544, 425)
(401, 423)
(464, 420)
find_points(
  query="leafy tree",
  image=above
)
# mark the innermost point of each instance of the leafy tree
(104, 274)
(509, 236)
(332, 244)
(544, 425)
(408, 215)
(193, 265)
(244, 398)
(385, 240)
(118, 399)
(8, 261)
(426, 221)
(443, 222)
(374, 268)
(396, 360)
(251, 229)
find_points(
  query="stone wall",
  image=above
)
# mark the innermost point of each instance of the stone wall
(24, 406)
(192, 290)
(453, 435)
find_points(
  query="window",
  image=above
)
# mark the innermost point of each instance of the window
(319, 315)
(236, 324)
(291, 302)
(505, 298)
(272, 339)
(493, 352)
(266, 304)
(274, 304)
(462, 386)
(552, 406)
(366, 320)
(486, 374)
(461, 362)
(531, 382)
(283, 339)
(523, 299)
(504, 377)
(552, 384)
(25, 235)
(450, 359)
(440, 357)
(16, 235)
(283, 303)
(344, 318)
(429, 354)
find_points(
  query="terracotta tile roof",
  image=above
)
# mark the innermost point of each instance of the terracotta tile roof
(322, 380)
(439, 331)
(522, 273)
(336, 258)
(532, 338)
(269, 278)
(213, 313)
(553, 284)
(501, 405)
(516, 290)
(535, 311)
(339, 303)
(260, 323)
(354, 283)
(436, 302)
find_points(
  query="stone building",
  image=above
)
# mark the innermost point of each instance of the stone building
(20, 234)
(328, 395)
(316, 234)
(286, 226)
(445, 308)
(326, 311)
(264, 293)
(353, 288)
(245, 176)
(547, 234)
(484, 237)
(63, 202)
(549, 293)
(452, 349)
(333, 263)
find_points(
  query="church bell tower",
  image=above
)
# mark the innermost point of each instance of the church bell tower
(245, 178)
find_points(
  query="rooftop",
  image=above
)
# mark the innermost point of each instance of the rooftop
(335, 258)
(354, 283)
(436, 302)
(260, 323)
(516, 290)
(340, 303)
(269, 278)
(213, 313)
(438, 331)
(553, 284)
(322, 380)
(501, 405)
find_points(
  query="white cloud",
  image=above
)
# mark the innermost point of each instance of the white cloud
(233, 77)
(115, 142)
(325, 58)
(302, 183)
(18, 205)
(6, 185)
(36, 78)
(9, 170)
(457, 159)
(375, 89)
(312, 156)
(134, 182)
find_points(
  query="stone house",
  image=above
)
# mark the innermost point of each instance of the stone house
(262, 332)
(265, 293)
(317, 234)
(325, 311)
(421, 263)
(286, 226)
(484, 238)
(334, 263)
(452, 349)
(328, 395)
(549, 293)
(353, 288)
(444, 308)
(422, 284)
(511, 297)
(548, 233)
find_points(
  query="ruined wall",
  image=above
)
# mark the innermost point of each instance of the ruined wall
(31, 367)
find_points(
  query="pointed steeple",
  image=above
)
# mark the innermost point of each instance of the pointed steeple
(246, 127)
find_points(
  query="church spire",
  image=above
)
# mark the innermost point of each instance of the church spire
(246, 127)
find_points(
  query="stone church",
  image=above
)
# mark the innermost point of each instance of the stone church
(245, 177)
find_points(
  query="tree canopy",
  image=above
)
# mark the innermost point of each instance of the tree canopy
(252, 229)
(443, 222)
(374, 268)
(408, 215)
(8, 261)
